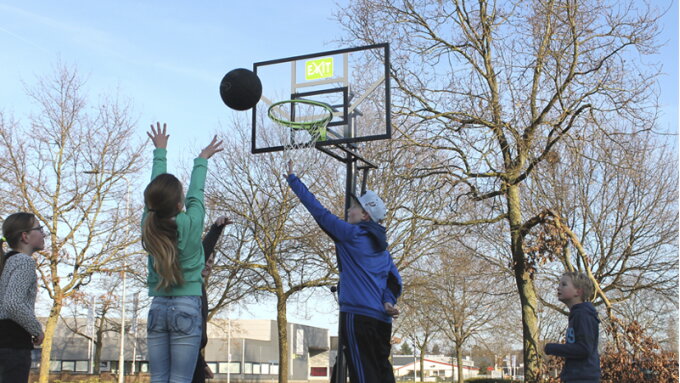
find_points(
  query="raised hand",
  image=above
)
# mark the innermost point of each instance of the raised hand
(215, 146)
(223, 221)
(158, 136)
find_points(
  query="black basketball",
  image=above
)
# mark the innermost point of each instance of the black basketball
(241, 89)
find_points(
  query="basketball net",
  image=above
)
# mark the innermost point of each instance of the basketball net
(299, 134)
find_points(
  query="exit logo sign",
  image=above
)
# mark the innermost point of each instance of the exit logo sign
(320, 68)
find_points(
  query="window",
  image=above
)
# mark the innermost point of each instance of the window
(68, 365)
(82, 366)
(235, 367)
(318, 371)
(274, 370)
(55, 365)
(144, 367)
(256, 368)
(222, 367)
(231, 367)
(265, 369)
(212, 366)
(247, 368)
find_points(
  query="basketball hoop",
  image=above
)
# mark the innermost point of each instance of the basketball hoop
(314, 124)
(307, 116)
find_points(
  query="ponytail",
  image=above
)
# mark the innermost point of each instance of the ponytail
(163, 197)
(159, 239)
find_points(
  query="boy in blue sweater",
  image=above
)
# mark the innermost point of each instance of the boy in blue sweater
(369, 281)
(582, 360)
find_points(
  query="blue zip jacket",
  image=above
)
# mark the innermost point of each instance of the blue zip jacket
(368, 276)
(582, 360)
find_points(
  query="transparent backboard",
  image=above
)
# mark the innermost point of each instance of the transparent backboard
(353, 82)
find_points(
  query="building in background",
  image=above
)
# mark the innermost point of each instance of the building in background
(243, 350)
(436, 367)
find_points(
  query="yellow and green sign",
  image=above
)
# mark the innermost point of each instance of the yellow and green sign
(319, 68)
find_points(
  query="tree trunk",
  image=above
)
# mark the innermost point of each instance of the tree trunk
(525, 288)
(98, 349)
(47, 342)
(422, 364)
(282, 325)
(459, 362)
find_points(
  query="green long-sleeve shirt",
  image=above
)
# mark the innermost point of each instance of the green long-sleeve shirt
(189, 230)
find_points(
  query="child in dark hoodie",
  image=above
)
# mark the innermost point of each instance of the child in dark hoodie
(582, 360)
(369, 281)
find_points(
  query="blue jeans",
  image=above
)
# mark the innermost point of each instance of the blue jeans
(173, 335)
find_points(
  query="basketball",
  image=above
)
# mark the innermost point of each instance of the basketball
(240, 89)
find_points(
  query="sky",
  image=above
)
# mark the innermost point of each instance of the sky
(168, 58)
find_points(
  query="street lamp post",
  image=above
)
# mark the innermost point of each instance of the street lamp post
(91, 332)
(228, 348)
(121, 355)
(135, 307)
(414, 359)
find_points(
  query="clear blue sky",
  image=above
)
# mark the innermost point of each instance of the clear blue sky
(168, 57)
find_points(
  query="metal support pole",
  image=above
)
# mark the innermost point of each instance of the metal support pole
(364, 177)
(228, 348)
(135, 308)
(121, 355)
(91, 345)
(340, 364)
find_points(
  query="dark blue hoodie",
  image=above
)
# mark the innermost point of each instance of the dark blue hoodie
(368, 276)
(582, 360)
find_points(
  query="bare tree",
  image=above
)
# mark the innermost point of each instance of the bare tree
(227, 285)
(413, 241)
(497, 86)
(45, 165)
(418, 321)
(100, 307)
(278, 251)
(470, 295)
(614, 205)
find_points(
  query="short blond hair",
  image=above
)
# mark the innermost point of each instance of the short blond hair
(581, 281)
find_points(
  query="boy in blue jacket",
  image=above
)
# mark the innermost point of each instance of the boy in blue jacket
(582, 360)
(369, 281)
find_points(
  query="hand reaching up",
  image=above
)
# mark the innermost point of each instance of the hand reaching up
(158, 136)
(290, 167)
(215, 146)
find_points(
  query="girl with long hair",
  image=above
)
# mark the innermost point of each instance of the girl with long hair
(20, 330)
(172, 237)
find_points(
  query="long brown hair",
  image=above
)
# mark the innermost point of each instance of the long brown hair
(163, 197)
(12, 228)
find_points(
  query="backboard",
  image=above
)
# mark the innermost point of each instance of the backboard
(354, 82)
